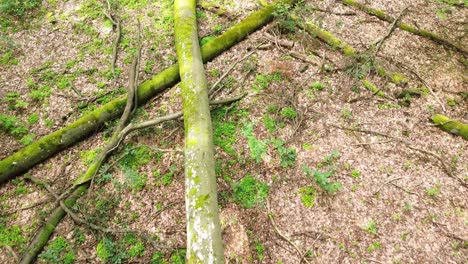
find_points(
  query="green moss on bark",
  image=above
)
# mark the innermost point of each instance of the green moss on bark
(451, 126)
(40, 150)
(422, 33)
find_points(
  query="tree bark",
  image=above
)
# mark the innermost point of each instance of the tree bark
(204, 243)
(451, 126)
(422, 33)
(24, 159)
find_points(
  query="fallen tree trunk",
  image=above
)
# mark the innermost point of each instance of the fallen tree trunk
(346, 49)
(452, 126)
(43, 235)
(204, 243)
(422, 33)
(82, 184)
(24, 159)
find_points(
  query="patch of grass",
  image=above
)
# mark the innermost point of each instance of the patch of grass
(346, 113)
(14, 102)
(289, 113)
(12, 125)
(374, 246)
(166, 179)
(388, 105)
(8, 58)
(27, 139)
(11, 235)
(371, 227)
(33, 118)
(110, 252)
(257, 147)
(269, 123)
(355, 174)
(41, 93)
(58, 251)
(317, 86)
(308, 196)
(224, 132)
(433, 191)
(249, 191)
(262, 81)
(260, 250)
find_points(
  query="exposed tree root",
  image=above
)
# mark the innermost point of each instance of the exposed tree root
(423, 33)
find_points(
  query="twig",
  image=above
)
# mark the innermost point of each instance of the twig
(82, 221)
(333, 12)
(372, 143)
(387, 182)
(390, 30)
(24, 208)
(212, 91)
(270, 216)
(115, 46)
(415, 73)
(410, 146)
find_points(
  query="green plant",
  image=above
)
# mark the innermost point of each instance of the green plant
(288, 155)
(257, 147)
(308, 196)
(374, 246)
(260, 249)
(346, 113)
(355, 174)
(27, 139)
(249, 191)
(136, 250)
(41, 93)
(289, 113)
(270, 123)
(371, 227)
(433, 191)
(317, 86)
(18, 7)
(262, 81)
(12, 125)
(58, 251)
(33, 118)
(10, 235)
(321, 179)
(224, 132)
(12, 98)
(110, 252)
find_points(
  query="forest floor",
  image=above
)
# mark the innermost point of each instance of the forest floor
(312, 166)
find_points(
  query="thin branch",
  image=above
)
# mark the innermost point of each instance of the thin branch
(278, 231)
(387, 182)
(410, 146)
(390, 30)
(212, 91)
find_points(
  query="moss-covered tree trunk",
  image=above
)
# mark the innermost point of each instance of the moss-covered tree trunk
(422, 33)
(452, 126)
(40, 150)
(204, 243)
